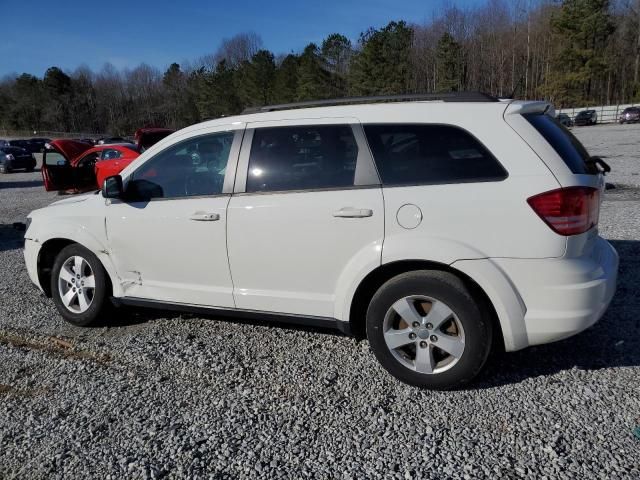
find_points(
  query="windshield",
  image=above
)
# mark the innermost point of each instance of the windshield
(572, 152)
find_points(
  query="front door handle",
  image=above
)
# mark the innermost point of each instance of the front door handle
(350, 212)
(205, 217)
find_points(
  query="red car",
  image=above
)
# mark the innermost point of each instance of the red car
(79, 166)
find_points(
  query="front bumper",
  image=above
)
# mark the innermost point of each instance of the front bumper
(566, 295)
(31, 252)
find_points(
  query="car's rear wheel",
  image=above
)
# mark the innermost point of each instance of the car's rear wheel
(79, 285)
(427, 330)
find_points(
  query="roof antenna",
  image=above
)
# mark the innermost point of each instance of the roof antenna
(515, 89)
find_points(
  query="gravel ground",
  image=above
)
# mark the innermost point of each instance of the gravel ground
(157, 395)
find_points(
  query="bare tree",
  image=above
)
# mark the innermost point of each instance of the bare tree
(238, 49)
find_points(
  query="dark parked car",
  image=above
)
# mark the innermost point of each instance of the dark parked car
(630, 115)
(564, 119)
(14, 158)
(32, 145)
(19, 144)
(36, 145)
(586, 117)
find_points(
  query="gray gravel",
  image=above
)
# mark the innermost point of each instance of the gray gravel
(156, 395)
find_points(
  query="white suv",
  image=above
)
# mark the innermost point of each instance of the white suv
(437, 228)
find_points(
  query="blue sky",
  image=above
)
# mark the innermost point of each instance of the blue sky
(36, 34)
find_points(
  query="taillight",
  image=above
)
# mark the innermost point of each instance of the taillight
(568, 211)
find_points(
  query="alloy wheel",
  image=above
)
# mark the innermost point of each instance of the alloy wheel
(424, 334)
(76, 284)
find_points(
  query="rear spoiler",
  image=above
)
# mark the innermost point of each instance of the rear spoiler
(520, 108)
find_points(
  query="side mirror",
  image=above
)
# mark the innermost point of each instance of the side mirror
(112, 187)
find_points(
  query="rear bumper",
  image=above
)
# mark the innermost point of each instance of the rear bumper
(563, 296)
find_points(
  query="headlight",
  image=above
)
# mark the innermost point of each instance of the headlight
(27, 223)
(9, 157)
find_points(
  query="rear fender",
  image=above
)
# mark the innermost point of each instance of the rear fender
(398, 248)
(503, 295)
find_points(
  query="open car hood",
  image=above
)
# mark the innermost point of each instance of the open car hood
(147, 137)
(70, 149)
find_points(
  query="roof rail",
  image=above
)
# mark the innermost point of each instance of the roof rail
(410, 97)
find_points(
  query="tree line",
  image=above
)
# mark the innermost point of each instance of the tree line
(570, 52)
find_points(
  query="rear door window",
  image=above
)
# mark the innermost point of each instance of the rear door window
(302, 158)
(566, 145)
(422, 154)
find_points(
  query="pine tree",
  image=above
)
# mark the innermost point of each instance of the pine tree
(382, 66)
(581, 30)
(449, 64)
(57, 98)
(26, 112)
(286, 83)
(256, 79)
(313, 78)
(336, 53)
(216, 91)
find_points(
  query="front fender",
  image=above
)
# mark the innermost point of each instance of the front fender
(83, 233)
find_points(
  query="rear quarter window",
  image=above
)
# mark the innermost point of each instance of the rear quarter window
(418, 154)
(566, 145)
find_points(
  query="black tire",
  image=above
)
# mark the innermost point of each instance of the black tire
(31, 168)
(4, 169)
(100, 302)
(443, 287)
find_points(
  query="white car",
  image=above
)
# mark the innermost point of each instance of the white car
(437, 228)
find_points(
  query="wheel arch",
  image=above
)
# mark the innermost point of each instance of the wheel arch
(46, 258)
(50, 250)
(377, 277)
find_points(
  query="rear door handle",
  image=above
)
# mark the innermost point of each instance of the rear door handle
(205, 217)
(350, 212)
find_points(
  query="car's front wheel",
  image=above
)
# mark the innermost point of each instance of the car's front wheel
(79, 285)
(427, 330)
